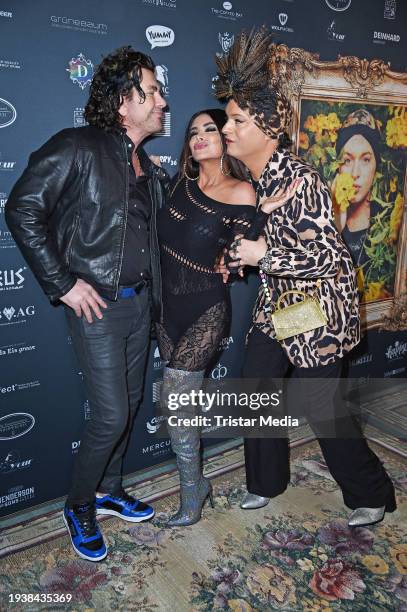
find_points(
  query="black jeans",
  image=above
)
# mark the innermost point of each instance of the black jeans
(357, 470)
(112, 354)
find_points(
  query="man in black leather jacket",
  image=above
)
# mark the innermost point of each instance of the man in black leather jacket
(84, 216)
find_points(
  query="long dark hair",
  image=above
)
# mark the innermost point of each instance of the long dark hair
(188, 166)
(114, 80)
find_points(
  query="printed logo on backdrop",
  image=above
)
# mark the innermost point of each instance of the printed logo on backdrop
(157, 362)
(6, 240)
(390, 7)
(283, 18)
(154, 424)
(75, 446)
(3, 201)
(86, 410)
(396, 351)
(171, 4)
(80, 71)
(225, 11)
(16, 495)
(8, 113)
(19, 348)
(78, 117)
(362, 360)
(382, 37)
(394, 372)
(15, 315)
(6, 14)
(80, 25)
(226, 41)
(10, 65)
(12, 462)
(18, 387)
(160, 36)
(168, 160)
(166, 128)
(338, 5)
(220, 371)
(6, 164)
(332, 35)
(15, 425)
(11, 280)
(161, 73)
(159, 449)
(225, 343)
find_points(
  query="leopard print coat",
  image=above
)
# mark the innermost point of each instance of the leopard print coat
(304, 246)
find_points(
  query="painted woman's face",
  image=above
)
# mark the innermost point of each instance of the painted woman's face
(359, 161)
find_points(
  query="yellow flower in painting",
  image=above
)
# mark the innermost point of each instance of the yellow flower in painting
(304, 141)
(399, 555)
(375, 291)
(396, 129)
(333, 121)
(396, 217)
(344, 190)
(239, 605)
(333, 136)
(311, 124)
(393, 184)
(375, 564)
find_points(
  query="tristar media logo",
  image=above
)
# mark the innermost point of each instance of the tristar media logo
(396, 351)
(12, 462)
(160, 36)
(18, 314)
(383, 37)
(390, 7)
(226, 41)
(226, 12)
(338, 5)
(332, 35)
(12, 279)
(80, 71)
(283, 18)
(161, 72)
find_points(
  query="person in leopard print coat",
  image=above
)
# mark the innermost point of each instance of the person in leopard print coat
(299, 249)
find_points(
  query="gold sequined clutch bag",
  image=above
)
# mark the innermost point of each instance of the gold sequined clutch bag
(297, 318)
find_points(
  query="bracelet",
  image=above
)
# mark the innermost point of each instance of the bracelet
(267, 306)
(265, 263)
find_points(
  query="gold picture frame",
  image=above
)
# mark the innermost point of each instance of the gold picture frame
(350, 86)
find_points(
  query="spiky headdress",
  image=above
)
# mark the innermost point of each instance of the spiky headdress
(243, 74)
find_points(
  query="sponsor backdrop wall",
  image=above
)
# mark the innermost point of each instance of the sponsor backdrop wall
(48, 52)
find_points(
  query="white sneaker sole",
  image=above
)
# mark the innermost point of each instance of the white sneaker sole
(77, 551)
(129, 519)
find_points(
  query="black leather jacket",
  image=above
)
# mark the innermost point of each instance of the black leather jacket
(68, 212)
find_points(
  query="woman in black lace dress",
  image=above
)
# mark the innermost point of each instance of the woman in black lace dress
(209, 205)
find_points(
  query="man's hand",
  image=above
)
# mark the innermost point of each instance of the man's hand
(247, 252)
(82, 298)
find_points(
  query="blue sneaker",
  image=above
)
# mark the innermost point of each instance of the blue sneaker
(87, 541)
(125, 507)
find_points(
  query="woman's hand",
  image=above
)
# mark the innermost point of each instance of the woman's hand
(280, 197)
(247, 252)
(220, 268)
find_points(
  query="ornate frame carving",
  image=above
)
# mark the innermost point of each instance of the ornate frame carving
(302, 75)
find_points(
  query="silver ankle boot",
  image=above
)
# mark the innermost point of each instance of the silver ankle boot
(252, 501)
(366, 516)
(185, 443)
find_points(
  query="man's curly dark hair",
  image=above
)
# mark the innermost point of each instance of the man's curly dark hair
(114, 79)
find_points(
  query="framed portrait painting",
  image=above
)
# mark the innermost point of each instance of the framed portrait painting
(350, 123)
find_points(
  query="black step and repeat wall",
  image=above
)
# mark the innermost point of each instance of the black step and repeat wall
(48, 53)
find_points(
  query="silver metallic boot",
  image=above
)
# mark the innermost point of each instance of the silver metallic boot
(251, 501)
(366, 516)
(185, 442)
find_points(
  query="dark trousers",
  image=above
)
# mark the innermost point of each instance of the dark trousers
(357, 470)
(112, 354)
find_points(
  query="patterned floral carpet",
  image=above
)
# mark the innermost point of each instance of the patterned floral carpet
(297, 553)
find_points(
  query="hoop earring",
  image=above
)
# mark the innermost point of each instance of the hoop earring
(185, 171)
(222, 169)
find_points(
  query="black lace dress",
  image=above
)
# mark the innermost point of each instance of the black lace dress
(193, 230)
